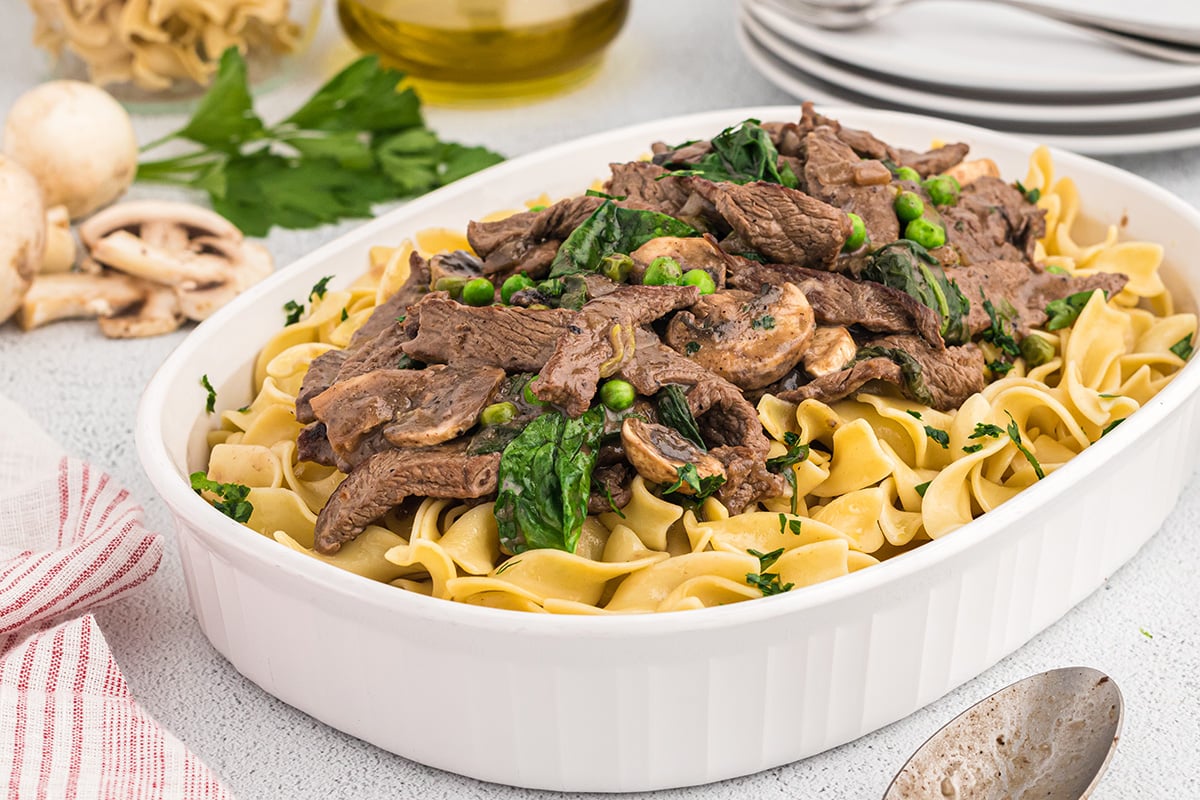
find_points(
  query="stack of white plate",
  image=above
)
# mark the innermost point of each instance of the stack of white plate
(988, 65)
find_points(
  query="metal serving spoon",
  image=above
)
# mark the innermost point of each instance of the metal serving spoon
(1048, 736)
(1178, 44)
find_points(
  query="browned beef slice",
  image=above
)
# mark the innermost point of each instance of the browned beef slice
(836, 385)
(932, 162)
(747, 479)
(686, 154)
(403, 408)
(385, 351)
(867, 145)
(385, 314)
(528, 241)
(322, 372)
(643, 186)
(992, 221)
(782, 224)
(835, 174)
(610, 487)
(517, 340)
(313, 445)
(839, 300)
(1026, 289)
(571, 373)
(384, 480)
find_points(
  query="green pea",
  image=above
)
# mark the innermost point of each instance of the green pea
(858, 233)
(1036, 350)
(908, 174)
(498, 414)
(617, 395)
(453, 286)
(513, 284)
(909, 206)
(479, 292)
(531, 398)
(925, 233)
(616, 267)
(942, 189)
(700, 278)
(663, 271)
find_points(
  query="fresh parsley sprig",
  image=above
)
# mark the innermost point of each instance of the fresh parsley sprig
(782, 465)
(1014, 433)
(356, 142)
(230, 497)
(210, 401)
(702, 488)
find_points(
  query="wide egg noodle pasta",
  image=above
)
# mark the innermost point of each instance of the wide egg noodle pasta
(880, 477)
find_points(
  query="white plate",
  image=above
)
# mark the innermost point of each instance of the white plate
(764, 24)
(805, 86)
(632, 703)
(977, 45)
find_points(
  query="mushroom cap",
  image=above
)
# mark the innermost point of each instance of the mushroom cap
(831, 350)
(751, 340)
(690, 252)
(22, 234)
(77, 142)
(133, 215)
(657, 453)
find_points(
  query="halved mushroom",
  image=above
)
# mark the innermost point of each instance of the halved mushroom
(60, 243)
(970, 171)
(691, 253)
(658, 453)
(71, 295)
(749, 339)
(831, 350)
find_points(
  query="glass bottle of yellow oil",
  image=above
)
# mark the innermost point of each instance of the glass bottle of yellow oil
(471, 51)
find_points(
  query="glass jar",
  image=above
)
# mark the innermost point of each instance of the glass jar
(150, 51)
(485, 51)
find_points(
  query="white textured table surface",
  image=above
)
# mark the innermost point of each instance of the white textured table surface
(675, 56)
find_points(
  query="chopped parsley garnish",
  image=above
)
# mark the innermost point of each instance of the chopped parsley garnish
(1054, 269)
(1146, 633)
(1000, 368)
(345, 316)
(1000, 331)
(911, 413)
(766, 560)
(231, 496)
(400, 319)
(1065, 311)
(210, 402)
(782, 465)
(702, 488)
(538, 208)
(294, 311)
(983, 429)
(691, 348)
(405, 361)
(1014, 433)
(765, 323)
(320, 287)
(921, 488)
(1183, 348)
(613, 503)
(972, 448)
(1032, 195)
(1111, 425)
(767, 582)
(785, 525)
(938, 435)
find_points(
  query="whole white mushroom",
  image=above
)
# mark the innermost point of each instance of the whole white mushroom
(76, 140)
(22, 234)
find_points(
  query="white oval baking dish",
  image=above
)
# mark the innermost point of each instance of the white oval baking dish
(637, 703)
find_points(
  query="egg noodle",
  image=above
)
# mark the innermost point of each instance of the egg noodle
(883, 478)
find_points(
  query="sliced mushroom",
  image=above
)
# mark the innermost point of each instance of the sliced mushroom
(658, 453)
(749, 339)
(71, 295)
(124, 251)
(831, 350)
(133, 215)
(60, 243)
(970, 171)
(691, 253)
(158, 313)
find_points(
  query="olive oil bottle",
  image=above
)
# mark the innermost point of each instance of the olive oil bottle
(486, 51)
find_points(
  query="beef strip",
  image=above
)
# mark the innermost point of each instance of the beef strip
(610, 487)
(385, 479)
(570, 375)
(402, 408)
(527, 242)
(835, 174)
(322, 372)
(949, 375)
(783, 224)
(1026, 289)
(839, 300)
(415, 286)
(643, 186)
(992, 221)
(517, 340)
(867, 145)
(313, 445)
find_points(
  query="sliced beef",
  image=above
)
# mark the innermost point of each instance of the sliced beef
(517, 340)
(402, 408)
(386, 313)
(689, 153)
(593, 339)
(385, 479)
(610, 487)
(943, 378)
(644, 185)
(526, 242)
(835, 174)
(313, 445)
(839, 300)
(322, 372)
(782, 224)
(1025, 289)
(992, 221)
(867, 145)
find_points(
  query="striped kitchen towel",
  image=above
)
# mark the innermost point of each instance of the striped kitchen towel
(71, 539)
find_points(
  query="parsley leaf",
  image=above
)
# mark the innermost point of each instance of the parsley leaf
(766, 323)
(782, 465)
(1183, 348)
(938, 435)
(210, 402)
(1054, 269)
(1065, 311)
(1032, 195)
(231, 497)
(345, 315)
(687, 475)
(319, 288)
(1146, 633)
(1111, 425)
(766, 560)
(972, 448)
(691, 348)
(1000, 331)
(983, 429)
(1014, 433)
(921, 488)
(768, 583)
(1000, 368)
(294, 312)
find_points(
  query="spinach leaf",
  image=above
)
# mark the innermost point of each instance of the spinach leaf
(612, 229)
(907, 266)
(673, 411)
(1064, 311)
(910, 370)
(740, 154)
(545, 477)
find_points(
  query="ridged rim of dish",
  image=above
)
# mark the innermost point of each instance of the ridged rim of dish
(266, 553)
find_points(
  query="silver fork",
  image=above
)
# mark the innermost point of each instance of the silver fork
(1157, 41)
